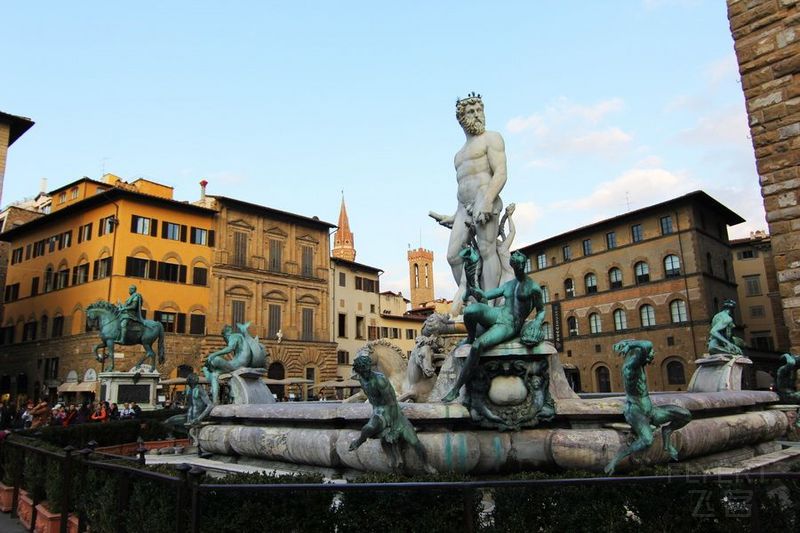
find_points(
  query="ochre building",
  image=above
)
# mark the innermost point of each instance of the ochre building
(198, 266)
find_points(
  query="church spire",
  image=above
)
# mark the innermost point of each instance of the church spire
(343, 241)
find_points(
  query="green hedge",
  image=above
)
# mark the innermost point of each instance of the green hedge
(105, 434)
(675, 505)
(392, 510)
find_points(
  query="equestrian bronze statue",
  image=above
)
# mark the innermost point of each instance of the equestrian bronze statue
(123, 324)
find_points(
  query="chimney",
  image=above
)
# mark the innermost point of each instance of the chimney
(203, 184)
(43, 186)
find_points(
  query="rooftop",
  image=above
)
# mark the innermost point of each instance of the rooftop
(19, 125)
(729, 217)
(313, 222)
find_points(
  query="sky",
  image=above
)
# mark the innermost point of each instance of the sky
(605, 106)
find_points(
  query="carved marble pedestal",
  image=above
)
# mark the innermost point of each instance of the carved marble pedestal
(246, 387)
(515, 386)
(134, 386)
(718, 373)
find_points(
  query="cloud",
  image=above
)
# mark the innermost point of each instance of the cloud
(565, 127)
(726, 126)
(638, 186)
(658, 4)
(723, 70)
(526, 214)
(597, 141)
(563, 111)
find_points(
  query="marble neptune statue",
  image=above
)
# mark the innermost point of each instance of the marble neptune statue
(481, 175)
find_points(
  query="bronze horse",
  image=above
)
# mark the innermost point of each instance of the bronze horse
(144, 333)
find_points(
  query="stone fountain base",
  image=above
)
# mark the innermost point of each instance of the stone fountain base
(584, 434)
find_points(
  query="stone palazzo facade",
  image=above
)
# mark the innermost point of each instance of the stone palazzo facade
(658, 273)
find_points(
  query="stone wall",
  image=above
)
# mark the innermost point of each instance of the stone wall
(767, 41)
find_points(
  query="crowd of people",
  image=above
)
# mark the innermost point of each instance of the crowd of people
(34, 415)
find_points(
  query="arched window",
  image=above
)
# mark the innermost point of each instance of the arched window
(569, 288)
(603, 378)
(648, 315)
(642, 271)
(545, 294)
(427, 276)
(572, 326)
(591, 283)
(615, 278)
(276, 371)
(709, 265)
(677, 311)
(594, 323)
(48, 279)
(547, 329)
(725, 269)
(43, 323)
(675, 373)
(620, 320)
(672, 266)
(416, 276)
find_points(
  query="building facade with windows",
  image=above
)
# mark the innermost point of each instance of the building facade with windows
(659, 273)
(355, 309)
(398, 324)
(99, 238)
(758, 295)
(271, 268)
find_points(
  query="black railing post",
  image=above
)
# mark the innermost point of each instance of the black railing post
(66, 487)
(755, 508)
(85, 453)
(141, 449)
(35, 502)
(17, 483)
(123, 498)
(469, 510)
(180, 500)
(196, 475)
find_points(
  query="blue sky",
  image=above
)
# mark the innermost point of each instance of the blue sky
(604, 106)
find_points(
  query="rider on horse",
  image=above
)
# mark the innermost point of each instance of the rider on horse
(130, 310)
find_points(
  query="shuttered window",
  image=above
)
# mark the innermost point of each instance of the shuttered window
(237, 312)
(308, 261)
(308, 325)
(275, 255)
(239, 248)
(274, 320)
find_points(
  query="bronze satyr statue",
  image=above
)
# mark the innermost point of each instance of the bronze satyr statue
(639, 411)
(720, 335)
(245, 352)
(388, 423)
(786, 379)
(198, 407)
(124, 324)
(521, 296)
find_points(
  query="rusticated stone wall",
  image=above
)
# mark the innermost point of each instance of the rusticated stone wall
(766, 34)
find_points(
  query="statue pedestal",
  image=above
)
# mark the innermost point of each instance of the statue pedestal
(515, 385)
(246, 387)
(718, 372)
(122, 387)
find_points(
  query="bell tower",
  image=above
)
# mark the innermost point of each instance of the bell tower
(343, 241)
(420, 270)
